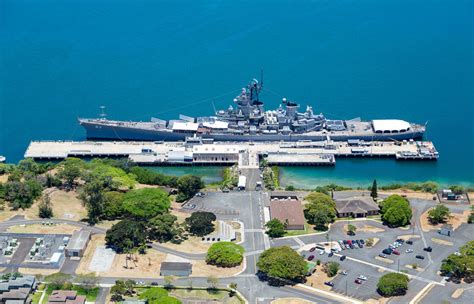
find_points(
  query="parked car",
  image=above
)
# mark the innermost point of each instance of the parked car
(409, 250)
(387, 251)
(362, 277)
(312, 249)
(382, 255)
(154, 283)
(342, 258)
(329, 284)
(429, 249)
(352, 246)
(321, 252)
(347, 246)
(331, 254)
(396, 252)
(420, 257)
(362, 242)
(358, 281)
(311, 257)
(360, 245)
(344, 272)
(410, 242)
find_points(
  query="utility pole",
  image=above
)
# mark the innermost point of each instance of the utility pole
(398, 267)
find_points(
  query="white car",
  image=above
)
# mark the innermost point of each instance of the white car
(409, 250)
(321, 252)
(344, 272)
(362, 277)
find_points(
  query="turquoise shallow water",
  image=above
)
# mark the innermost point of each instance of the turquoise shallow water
(409, 59)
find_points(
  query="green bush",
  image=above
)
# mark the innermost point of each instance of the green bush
(393, 284)
(331, 268)
(225, 254)
(158, 295)
(146, 203)
(396, 211)
(282, 263)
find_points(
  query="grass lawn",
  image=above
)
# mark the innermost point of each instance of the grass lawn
(36, 297)
(308, 229)
(200, 294)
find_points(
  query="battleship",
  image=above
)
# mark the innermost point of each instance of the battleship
(247, 120)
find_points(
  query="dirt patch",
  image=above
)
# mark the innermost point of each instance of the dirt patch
(375, 241)
(67, 205)
(407, 237)
(291, 301)
(3, 178)
(145, 266)
(96, 240)
(201, 269)
(410, 194)
(318, 278)
(456, 220)
(417, 268)
(192, 245)
(385, 260)
(457, 293)
(44, 229)
(377, 301)
(366, 228)
(442, 242)
(107, 224)
(36, 271)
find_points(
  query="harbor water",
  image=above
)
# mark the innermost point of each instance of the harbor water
(406, 59)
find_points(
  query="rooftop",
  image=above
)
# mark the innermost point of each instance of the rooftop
(78, 240)
(356, 205)
(287, 210)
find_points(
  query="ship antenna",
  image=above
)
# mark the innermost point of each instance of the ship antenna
(102, 114)
(261, 78)
(214, 106)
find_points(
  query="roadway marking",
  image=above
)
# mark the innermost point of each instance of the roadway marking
(266, 241)
(255, 252)
(254, 230)
(300, 242)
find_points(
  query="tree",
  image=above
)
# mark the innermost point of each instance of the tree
(351, 229)
(125, 236)
(188, 186)
(163, 227)
(320, 210)
(70, 170)
(22, 194)
(460, 266)
(438, 214)
(200, 223)
(58, 280)
(282, 264)
(393, 284)
(396, 211)
(146, 203)
(93, 199)
(331, 268)
(45, 210)
(113, 205)
(225, 254)
(87, 281)
(212, 281)
(275, 228)
(373, 190)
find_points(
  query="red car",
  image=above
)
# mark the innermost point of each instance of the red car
(396, 252)
(358, 281)
(311, 257)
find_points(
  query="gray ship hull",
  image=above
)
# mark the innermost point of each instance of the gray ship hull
(122, 133)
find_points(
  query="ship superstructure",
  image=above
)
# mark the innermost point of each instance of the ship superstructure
(247, 120)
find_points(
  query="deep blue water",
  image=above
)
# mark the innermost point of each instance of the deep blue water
(408, 59)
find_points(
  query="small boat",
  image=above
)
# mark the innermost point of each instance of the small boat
(2, 158)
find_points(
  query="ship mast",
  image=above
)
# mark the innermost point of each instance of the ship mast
(102, 115)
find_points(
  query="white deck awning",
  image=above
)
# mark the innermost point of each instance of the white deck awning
(390, 125)
(185, 126)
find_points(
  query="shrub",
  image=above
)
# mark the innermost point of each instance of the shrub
(282, 263)
(225, 254)
(331, 268)
(393, 284)
(275, 228)
(146, 203)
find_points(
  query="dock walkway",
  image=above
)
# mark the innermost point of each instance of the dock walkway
(246, 154)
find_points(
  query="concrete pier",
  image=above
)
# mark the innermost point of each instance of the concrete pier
(246, 154)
